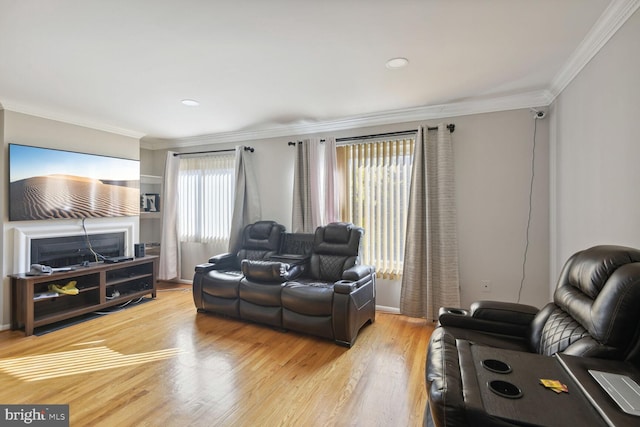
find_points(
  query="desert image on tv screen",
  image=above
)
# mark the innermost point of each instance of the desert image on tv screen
(56, 184)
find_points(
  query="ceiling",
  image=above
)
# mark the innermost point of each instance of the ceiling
(288, 65)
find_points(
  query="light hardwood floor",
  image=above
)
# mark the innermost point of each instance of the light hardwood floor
(163, 364)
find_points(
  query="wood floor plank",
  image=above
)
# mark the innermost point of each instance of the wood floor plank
(162, 363)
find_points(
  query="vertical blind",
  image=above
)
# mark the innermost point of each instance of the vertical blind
(376, 178)
(205, 193)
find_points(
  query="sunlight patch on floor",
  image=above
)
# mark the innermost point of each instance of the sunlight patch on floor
(54, 365)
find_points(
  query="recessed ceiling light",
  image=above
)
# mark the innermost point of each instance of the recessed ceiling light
(190, 102)
(395, 63)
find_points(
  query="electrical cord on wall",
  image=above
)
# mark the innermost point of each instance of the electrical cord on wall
(538, 115)
(96, 255)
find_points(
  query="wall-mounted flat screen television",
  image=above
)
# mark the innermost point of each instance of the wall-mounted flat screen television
(45, 183)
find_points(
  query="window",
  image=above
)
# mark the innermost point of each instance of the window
(376, 178)
(206, 187)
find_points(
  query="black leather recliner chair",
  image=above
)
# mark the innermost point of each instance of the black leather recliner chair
(595, 313)
(216, 283)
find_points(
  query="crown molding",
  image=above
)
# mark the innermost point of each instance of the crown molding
(462, 108)
(70, 119)
(614, 16)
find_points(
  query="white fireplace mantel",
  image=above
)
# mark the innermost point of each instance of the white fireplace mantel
(24, 234)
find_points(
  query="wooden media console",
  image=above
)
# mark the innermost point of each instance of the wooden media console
(100, 285)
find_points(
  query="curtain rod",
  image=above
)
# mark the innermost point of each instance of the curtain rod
(251, 149)
(451, 127)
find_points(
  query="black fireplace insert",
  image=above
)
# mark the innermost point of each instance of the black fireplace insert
(74, 250)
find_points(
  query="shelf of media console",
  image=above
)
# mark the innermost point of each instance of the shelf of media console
(128, 279)
(44, 296)
(47, 319)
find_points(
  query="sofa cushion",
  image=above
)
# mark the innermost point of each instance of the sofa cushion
(337, 239)
(316, 325)
(259, 240)
(559, 332)
(600, 288)
(261, 314)
(263, 294)
(222, 283)
(336, 233)
(310, 298)
(330, 267)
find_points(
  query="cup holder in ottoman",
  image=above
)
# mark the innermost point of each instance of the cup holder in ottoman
(497, 366)
(504, 389)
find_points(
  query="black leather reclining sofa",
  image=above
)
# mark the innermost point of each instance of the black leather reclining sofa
(595, 313)
(310, 283)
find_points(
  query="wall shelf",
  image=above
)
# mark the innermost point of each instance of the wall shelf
(150, 180)
(150, 215)
(150, 222)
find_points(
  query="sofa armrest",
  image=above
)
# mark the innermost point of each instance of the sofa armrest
(203, 268)
(294, 271)
(270, 271)
(357, 272)
(344, 287)
(297, 264)
(263, 271)
(353, 278)
(493, 317)
(506, 312)
(226, 260)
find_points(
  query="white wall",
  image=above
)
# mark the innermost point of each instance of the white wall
(29, 130)
(596, 150)
(493, 155)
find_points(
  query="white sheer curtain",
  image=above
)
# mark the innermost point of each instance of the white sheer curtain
(169, 263)
(430, 277)
(206, 190)
(315, 197)
(247, 208)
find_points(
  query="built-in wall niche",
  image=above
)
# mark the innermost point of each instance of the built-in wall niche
(23, 236)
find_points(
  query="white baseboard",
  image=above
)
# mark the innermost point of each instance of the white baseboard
(179, 281)
(385, 309)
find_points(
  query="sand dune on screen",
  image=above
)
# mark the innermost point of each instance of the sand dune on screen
(64, 196)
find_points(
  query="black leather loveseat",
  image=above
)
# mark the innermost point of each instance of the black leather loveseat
(595, 313)
(307, 283)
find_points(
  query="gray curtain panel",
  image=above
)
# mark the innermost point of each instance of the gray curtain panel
(430, 273)
(301, 213)
(247, 208)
